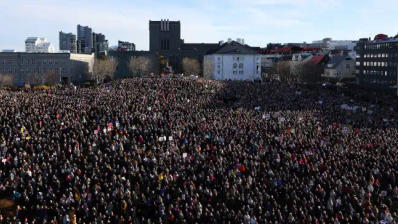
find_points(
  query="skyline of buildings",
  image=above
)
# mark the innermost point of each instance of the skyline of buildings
(98, 43)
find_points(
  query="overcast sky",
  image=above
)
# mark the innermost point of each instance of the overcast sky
(257, 21)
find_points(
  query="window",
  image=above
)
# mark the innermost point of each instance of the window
(241, 65)
(235, 72)
(165, 45)
(241, 72)
(235, 65)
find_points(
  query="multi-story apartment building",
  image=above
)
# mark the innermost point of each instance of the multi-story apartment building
(100, 44)
(38, 45)
(125, 46)
(85, 39)
(377, 63)
(67, 42)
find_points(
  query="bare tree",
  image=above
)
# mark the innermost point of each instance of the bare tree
(296, 69)
(282, 68)
(311, 73)
(140, 65)
(104, 68)
(208, 68)
(190, 66)
(7, 79)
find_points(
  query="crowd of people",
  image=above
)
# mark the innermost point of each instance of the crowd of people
(179, 150)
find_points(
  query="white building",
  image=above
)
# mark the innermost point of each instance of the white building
(38, 45)
(330, 44)
(233, 61)
(340, 67)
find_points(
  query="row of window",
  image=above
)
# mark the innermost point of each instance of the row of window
(9, 71)
(382, 55)
(238, 58)
(380, 81)
(31, 70)
(379, 55)
(34, 62)
(373, 63)
(377, 63)
(374, 72)
(380, 46)
(235, 72)
(236, 65)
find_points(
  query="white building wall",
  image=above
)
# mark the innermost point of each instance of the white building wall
(236, 67)
(88, 58)
(38, 45)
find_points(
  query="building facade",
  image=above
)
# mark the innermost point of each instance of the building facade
(38, 45)
(377, 63)
(165, 40)
(340, 67)
(85, 39)
(67, 42)
(100, 44)
(125, 46)
(233, 61)
(67, 66)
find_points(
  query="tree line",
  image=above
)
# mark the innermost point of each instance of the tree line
(289, 71)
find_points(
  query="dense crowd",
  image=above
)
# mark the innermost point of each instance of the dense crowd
(175, 150)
